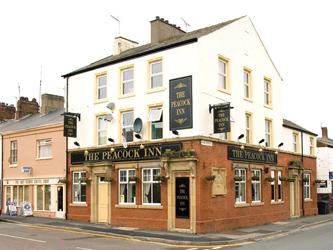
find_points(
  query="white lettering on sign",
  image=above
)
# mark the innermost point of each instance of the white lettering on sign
(206, 143)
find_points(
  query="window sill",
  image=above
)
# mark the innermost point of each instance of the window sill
(78, 204)
(150, 91)
(242, 205)
(126, 206)
(276, 202)
(248, 99)
(255, 204)
(308, 200)
(100, 101)
(150, 206)
(226, 91)
(13, 166)
(126, 96)
(268, 106)
(45, 158)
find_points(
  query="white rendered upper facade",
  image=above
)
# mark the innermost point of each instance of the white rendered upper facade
(227, 63)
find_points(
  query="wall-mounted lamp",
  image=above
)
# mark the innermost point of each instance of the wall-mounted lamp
(261, 141)
(240, 136)
(175, 132)
(77, 144)
(111, 140)
(138, 136)
(142, 146)
(86, 152)
(280, 145)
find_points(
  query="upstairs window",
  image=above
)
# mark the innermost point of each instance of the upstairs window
(268, 135)
(267, 92)
(155, 118)
(248, 128)
(127, 125)
(13, 155)
(101, 87)
(101, 130)
(295, 142)
(247, 84)
(127, 81)
(44, 148)
(223, 74)
(156, 76)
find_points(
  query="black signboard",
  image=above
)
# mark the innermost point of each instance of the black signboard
(182, 197)
(70, 126)
(251, 155)
(181, 113)
(123, 154)
(221, 120)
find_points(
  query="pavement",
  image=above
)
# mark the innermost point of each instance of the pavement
(236, 236)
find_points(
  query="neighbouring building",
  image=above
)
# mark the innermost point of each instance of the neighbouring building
(325, 167)
(33, 159)
(185, 134)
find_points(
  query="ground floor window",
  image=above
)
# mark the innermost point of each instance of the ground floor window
(256, 185)
(273, 186)
(43, 197)
(17, 194)
(151, 189)
(240, 185)
(126, 187)
(79, 187)
(307, 186)
(279, 186)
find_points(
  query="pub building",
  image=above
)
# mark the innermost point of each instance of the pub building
(164, 139)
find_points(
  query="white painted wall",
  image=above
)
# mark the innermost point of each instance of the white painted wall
(200, 60)
(324, 166)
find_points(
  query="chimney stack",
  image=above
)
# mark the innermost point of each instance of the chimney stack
(121, 44)
(324, 133)
(7, 112)
(161, 29)
(51, 102)
(26, 107)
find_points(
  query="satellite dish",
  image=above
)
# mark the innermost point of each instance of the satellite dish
(137, 125)
(108, 117)
(110, 105)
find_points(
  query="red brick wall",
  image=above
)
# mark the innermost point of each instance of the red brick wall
(25, 107)
(6, 112)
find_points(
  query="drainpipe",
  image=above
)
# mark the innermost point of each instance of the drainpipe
(66, 184)
(1, 170)
(302, 174)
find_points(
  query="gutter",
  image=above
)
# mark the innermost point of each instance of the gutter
(66, 185)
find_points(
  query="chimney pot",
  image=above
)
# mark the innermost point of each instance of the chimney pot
(324, 132)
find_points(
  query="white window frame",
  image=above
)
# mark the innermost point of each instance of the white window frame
(44, 188)
(223, 75)
(153, 76)
(280, 197)
(43, 148)
(127, 129)
(224, 136)
(101, 87)
(100, 130)
(307, 190)
(13, 153)
(257, 195)
(248, 128)
(273, 186)
(124, 82)
(79, 184)
(124, 181)
(155, 117)
(150, 181)
(311, 146)
(239, 197)
(295, 142)
(268, 133)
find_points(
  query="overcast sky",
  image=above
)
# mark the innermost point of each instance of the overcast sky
(57, 37)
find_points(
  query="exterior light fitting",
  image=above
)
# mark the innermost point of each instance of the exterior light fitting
(86, 152)
(240, 136)
(142, 146)
(77, 144)
(175, 132)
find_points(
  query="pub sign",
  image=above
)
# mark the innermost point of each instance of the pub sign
(70, 125)
(181, 113)
(221, 118)
(182, 197)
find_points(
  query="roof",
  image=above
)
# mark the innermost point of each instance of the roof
(150, 48)
(289, 124)
(325, 140)
(32, 121)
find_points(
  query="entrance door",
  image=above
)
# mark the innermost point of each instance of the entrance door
(60, 202)
(103, 200)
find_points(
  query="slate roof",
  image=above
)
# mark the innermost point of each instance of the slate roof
(326, 141)
(150, 48)
(32, 121)
(289, 124)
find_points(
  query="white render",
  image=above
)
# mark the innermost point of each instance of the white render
(238, 41)
(324, 166)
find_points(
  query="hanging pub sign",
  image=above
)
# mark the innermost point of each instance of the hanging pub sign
(182, 197)
(181, 114)
(221, 117)
(70, 122)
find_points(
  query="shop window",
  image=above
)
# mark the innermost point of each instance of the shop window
(155, 117)
(13, 153)
(79, 187)
(151, 189)
(240, 186)
(307, 186)
(20, 194)
(126, 187)
(256, 185)
(44, 149)
(273, 186)
(43, 197)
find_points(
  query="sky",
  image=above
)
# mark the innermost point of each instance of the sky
(42, 40)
